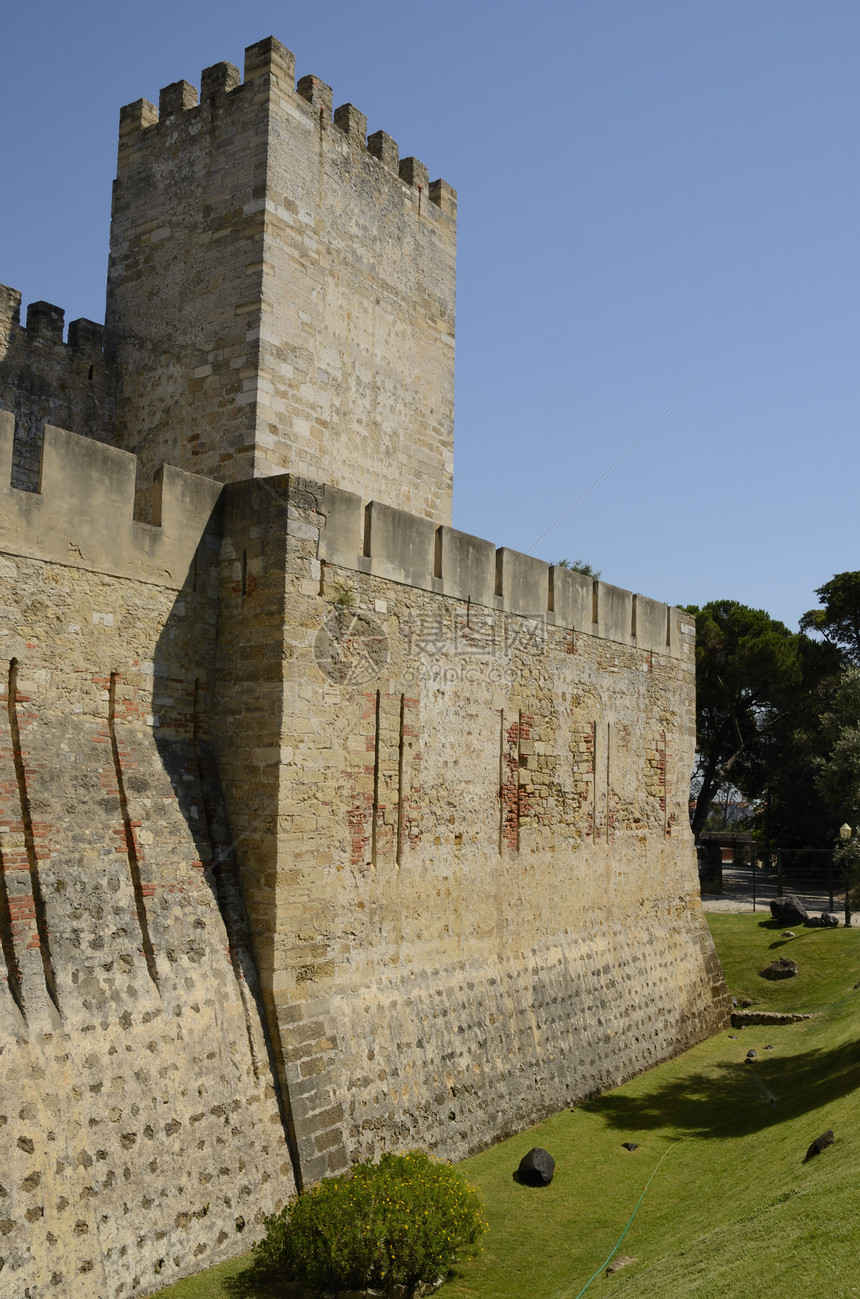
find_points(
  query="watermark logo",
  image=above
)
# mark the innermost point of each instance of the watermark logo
(484, 635)
(473, 649)
(351, 648)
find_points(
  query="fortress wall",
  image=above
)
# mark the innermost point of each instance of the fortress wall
(485, 902)
(139, 1122)
(281, 289)
(325, 828)
(308, 799)
(82, 513)
(248, 720)
(390, 543)
(44, 380)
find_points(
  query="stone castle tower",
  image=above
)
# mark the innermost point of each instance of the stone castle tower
(325, 828)
(281, 290)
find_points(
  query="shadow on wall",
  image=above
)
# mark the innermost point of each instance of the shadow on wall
(182, 720)
(134, 1008)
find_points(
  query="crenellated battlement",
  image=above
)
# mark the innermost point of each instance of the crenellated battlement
(266, 249)
(389, 543)
(270, 60)
(46, 380)
(83, 515)
(285, 759)
(83, 512)
(45, 323)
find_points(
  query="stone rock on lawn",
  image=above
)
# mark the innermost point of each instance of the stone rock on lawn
(536, 1168)
(820, 1143)
(781, 968)
(619, 1263)
(788, 910)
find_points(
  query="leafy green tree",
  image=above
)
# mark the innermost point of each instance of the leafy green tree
(579, 566)
(839, 770)
(792, 812)
(838, 621)
(757, 683)
(729, 811)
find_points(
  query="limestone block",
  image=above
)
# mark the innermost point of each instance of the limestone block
(572, 596)
(522, 582)
(652, 625)
(218, 79)
(467, 566)
(270, 58)
(381, 146)
(342, 534)
(83, 514)
(318, 94)
(614, 613)
(176, 98)
(352, 122)
(400, 546)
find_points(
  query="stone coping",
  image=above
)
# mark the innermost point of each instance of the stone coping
(772, 1018)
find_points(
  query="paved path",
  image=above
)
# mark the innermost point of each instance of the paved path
(738, 886)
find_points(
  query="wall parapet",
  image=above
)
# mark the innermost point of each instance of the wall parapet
(83, 512)
(269, 59)
(46, 380)
(83, 515)
(389, 543)
(46, 322)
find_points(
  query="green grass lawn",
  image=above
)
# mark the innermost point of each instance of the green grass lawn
(731, 1209)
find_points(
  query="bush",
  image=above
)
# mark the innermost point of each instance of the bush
(401, 1222)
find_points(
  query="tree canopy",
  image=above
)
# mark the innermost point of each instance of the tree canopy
(838, 775)
(757, 685)
(839, 766)
(838, 621)
(579, 566)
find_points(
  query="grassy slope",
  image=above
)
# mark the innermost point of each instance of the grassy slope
(733, 1209)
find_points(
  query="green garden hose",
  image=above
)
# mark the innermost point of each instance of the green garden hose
(675, 1143)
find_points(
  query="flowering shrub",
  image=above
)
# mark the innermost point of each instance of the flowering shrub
(401, 1222)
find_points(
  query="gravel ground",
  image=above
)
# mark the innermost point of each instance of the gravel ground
(737, 894)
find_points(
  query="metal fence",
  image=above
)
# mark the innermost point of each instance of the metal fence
(810, 873)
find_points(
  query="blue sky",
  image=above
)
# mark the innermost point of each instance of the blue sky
(653, 198)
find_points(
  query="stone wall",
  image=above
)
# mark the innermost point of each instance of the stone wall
(44, 380)
(324, 828)
(323, 831)
(482, 904)
(281, 289)
(140, 1128)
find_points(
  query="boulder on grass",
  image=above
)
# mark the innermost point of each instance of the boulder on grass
(820, 1143)
(536, 1168)
(781, 968)
(788, 910)
(827, 920)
